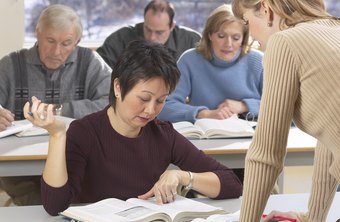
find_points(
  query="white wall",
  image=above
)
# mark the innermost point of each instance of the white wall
(11, 25)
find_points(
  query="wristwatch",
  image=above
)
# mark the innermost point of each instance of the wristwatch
(191, 179)
(57, 109)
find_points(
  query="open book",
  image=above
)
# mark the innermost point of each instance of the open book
(38, 131)
(232, 127)
(22, 128)
(17, 126)
(232, 217)
(134, 209)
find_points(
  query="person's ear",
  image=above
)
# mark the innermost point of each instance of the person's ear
(116, 87)
(173, 25)
(268, 12)
(209, 36)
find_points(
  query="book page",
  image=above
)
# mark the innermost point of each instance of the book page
(38, 131)
(17, 126)
(231, 127)
(188, 129)
(33, 131)
(112, 209)
(182, 209)
(220, 218)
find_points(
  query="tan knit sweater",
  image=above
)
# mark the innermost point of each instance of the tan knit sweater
(301, 81)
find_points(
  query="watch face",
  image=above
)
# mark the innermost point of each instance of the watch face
(57, 109)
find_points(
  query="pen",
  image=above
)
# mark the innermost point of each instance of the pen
(279, 218)
(29, 112)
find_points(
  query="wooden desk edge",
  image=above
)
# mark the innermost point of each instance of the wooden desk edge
(207, 151)
(16, 158)
(242, 151)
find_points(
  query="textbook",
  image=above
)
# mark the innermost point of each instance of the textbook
(232, 127)
(38, 131)
(22, 128)
(232, 217)
(17, 126)
(138, 210)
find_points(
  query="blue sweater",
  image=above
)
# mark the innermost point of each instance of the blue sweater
(209, 83)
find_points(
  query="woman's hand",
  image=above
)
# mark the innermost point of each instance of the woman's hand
(41, 115)
(281, 216)
(6, 118)
(234, 105)
(165, 189)
(219, 113)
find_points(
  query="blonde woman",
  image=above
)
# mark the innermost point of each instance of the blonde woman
(221, 76)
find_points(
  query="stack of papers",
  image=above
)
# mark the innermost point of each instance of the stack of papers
(22, 128)
(17, 126)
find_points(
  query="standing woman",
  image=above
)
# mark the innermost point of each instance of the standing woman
(301, 83)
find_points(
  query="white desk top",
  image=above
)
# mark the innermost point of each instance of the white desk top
(26, 148)
(13, 148)
(284, 202)
(27, 155)
(297, 141)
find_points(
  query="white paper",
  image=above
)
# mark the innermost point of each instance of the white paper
(17, 126)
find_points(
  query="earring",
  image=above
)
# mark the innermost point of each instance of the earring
(271, 18)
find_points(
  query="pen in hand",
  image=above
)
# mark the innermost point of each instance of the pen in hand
(2, 108)
(29, 112)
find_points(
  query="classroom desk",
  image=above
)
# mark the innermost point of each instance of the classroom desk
(231, 152)
(284, 202)
(22, 156)
(26, 156)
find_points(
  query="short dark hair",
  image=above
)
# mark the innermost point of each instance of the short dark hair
(143, 60)
(161, 6)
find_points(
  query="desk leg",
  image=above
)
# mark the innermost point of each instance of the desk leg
(280, 182)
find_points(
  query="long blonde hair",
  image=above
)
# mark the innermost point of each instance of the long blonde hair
(292, 12)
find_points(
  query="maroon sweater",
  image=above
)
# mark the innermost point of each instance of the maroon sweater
(102, 163)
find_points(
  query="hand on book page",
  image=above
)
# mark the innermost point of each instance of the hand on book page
(138, 210)
(214, 128)
(17, 126)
